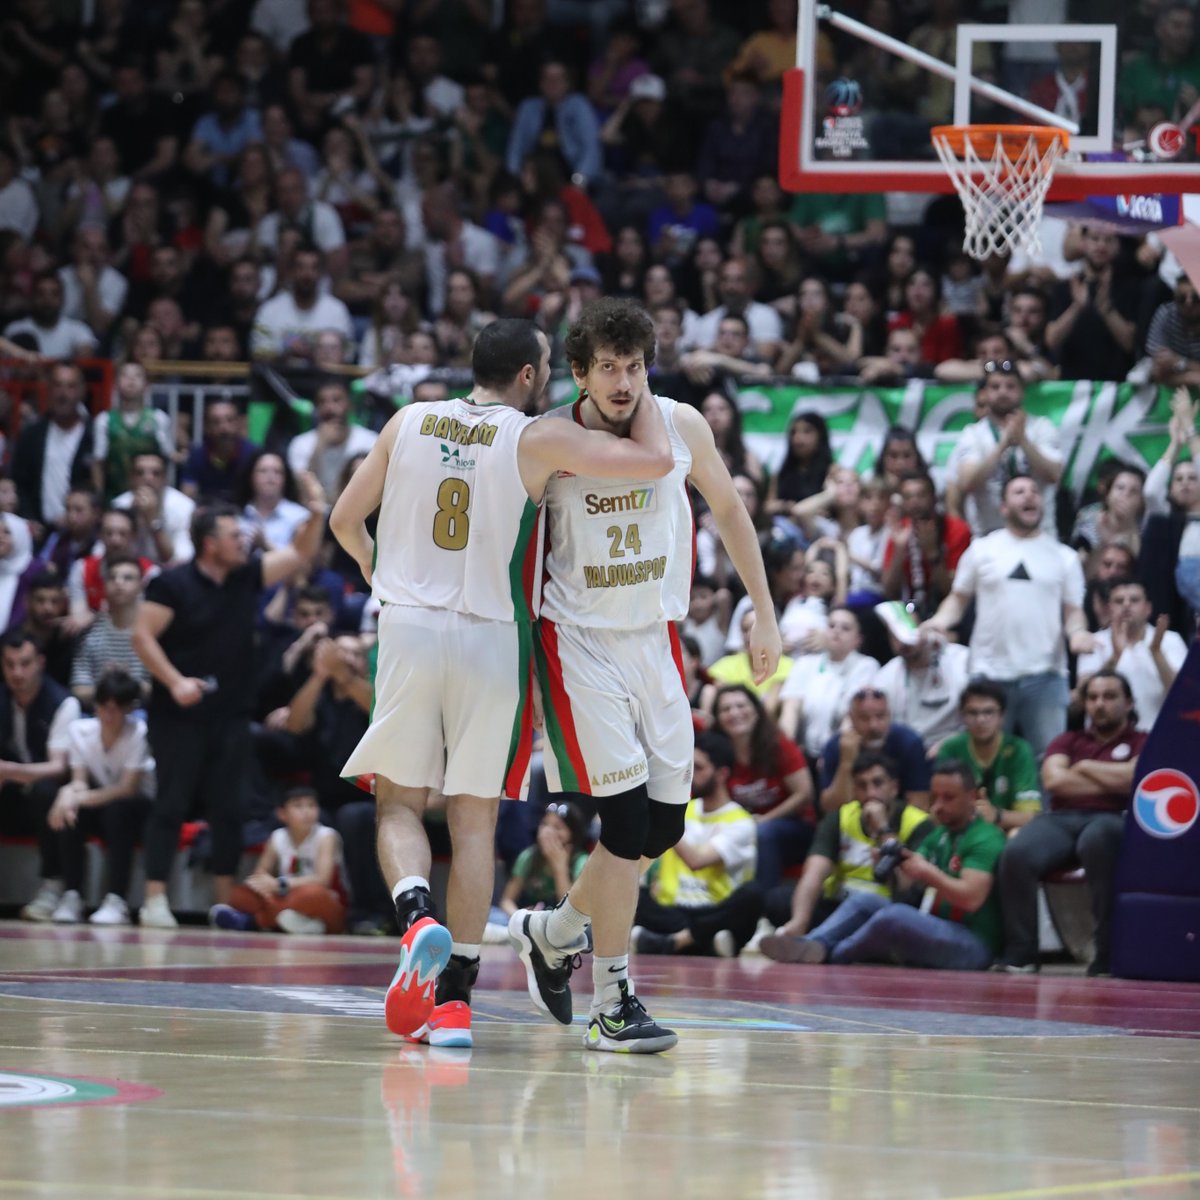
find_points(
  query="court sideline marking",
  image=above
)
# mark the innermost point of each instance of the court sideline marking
(1087, 1189)
(785, 1087)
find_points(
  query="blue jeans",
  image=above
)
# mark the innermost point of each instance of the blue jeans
(782, 843)
(870, 928)
(1037, 708)
(1187, 579)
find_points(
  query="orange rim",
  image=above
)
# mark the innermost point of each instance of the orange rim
(1015, 138)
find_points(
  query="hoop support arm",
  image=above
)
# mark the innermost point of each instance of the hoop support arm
(945, 70)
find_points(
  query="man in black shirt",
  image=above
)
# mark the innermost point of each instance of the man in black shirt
(329, 63)
(1094, 331)
(195, 633)
(140, 127)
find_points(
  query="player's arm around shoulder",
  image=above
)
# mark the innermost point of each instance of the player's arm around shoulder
(556, 443)
(361, 497)
(711, 478)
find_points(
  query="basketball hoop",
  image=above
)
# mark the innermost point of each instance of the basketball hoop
(1002, 174)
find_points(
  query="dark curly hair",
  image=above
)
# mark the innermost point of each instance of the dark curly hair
(619, 325)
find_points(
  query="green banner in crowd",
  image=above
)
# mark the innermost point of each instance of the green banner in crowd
(1095, 420)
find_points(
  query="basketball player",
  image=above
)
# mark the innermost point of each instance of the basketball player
(454, 565)
(618, 721)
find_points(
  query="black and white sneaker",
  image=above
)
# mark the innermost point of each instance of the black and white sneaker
(547, 968)
(628, 1028)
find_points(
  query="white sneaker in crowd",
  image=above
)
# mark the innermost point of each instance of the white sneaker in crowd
(495, 935)
(754, 945)
(291, 921)
(156, 914)
(42, 906)
(112, 911)
(69, 910)
(725, 944)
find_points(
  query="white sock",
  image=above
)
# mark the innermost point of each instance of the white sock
(566, 925)
(409, 882)
(467, 950)
(607, 976)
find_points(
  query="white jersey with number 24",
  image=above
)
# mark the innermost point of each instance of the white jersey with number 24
(620, 555)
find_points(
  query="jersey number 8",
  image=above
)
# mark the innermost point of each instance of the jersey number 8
(451, 522)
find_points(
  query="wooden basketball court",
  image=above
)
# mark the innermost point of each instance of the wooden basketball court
(192, 1064)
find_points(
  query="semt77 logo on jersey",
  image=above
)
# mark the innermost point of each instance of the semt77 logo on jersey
(605, 502)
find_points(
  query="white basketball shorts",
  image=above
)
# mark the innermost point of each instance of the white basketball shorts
(616, 712)
(453, 704)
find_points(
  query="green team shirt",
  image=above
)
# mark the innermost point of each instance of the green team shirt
(539, 888)
(1011, 782)
(837, 214)
(976, 848)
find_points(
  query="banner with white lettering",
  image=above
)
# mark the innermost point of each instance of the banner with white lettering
(1095, 421)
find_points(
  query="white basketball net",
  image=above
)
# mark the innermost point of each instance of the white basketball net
(1001, 197)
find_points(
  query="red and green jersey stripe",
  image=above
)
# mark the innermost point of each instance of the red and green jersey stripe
(522, 566)
(560, 720)
(522, 578)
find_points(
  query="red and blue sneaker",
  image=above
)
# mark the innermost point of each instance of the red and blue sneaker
(424, 953)
(448, 1025)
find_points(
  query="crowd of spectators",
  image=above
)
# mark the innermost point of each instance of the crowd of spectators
(363, 185)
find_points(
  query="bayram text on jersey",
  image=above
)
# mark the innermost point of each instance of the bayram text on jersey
(447, 429)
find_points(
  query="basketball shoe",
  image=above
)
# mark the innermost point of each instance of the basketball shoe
(547, 968)
(449, 1023)
(424, 953)
(627, 1028)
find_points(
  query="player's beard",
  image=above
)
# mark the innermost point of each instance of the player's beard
(619, 425)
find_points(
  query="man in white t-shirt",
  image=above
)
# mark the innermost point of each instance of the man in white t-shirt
(280, 22)
(18, 205)
(1006, 443)
(1028, 591)
(733, 286)
(54, 335)
(452, 239)
(924, 680)
(1149, 656)
(162, 515)
(317, 221)
(287, 325)
(93, 292)
(326, 449)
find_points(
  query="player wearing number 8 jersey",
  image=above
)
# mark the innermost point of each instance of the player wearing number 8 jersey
(618, 721)
(455, 566)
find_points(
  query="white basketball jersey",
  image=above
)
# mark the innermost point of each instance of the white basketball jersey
(620, 555)
(457, 529)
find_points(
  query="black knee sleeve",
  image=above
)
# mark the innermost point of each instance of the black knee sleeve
(663, 828)
(625, 822)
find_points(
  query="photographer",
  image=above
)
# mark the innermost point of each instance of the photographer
(843, 859)
(955, 925)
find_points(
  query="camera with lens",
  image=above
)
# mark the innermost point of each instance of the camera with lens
(890, 854)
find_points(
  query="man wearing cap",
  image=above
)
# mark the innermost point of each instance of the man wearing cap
(924, 679)
(1006, 443)
(869, 726)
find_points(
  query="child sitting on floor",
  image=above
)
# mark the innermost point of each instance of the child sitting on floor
(295, 885)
